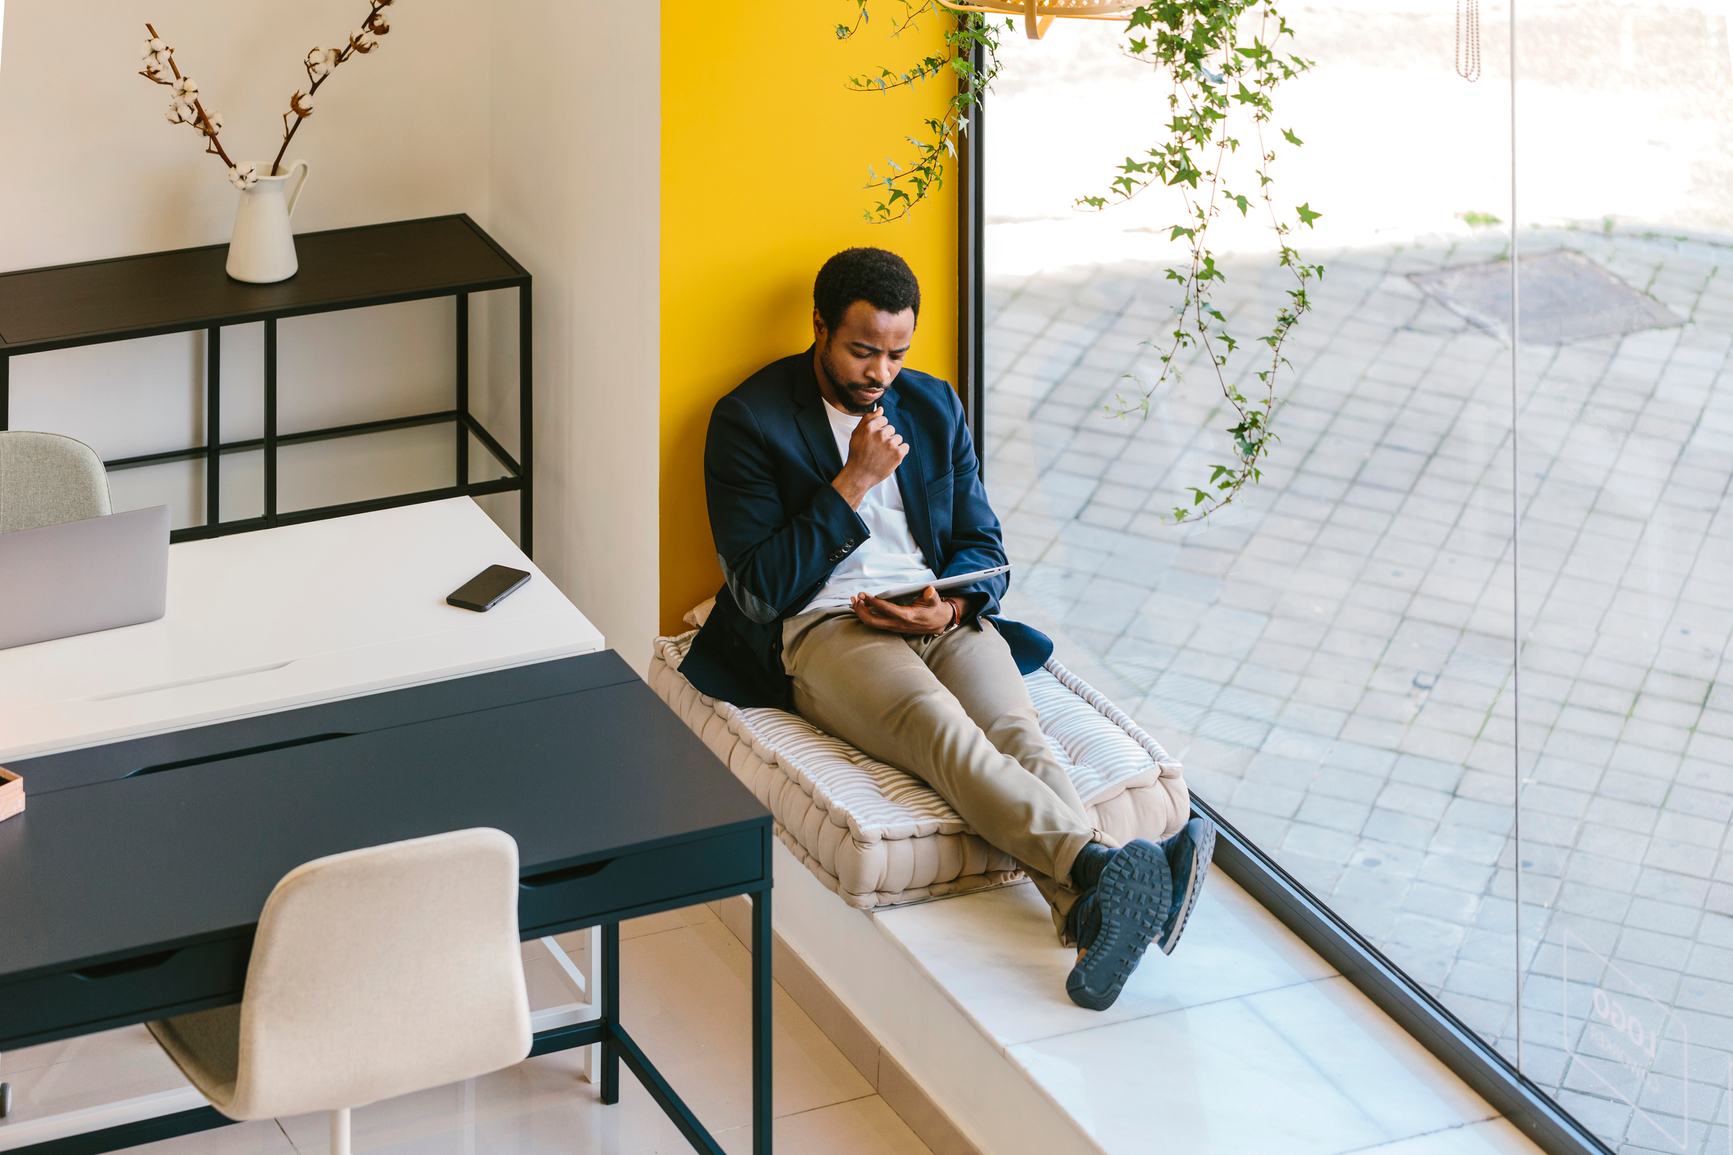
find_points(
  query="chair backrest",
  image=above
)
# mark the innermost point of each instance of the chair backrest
(383, 971)
(47, 479)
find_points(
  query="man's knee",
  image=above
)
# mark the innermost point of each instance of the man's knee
(1018, 727)
(924, 710)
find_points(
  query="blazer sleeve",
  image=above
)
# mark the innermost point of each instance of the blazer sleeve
(976, 540)
(773, 556)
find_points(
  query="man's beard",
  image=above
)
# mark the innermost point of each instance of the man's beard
(845, 393)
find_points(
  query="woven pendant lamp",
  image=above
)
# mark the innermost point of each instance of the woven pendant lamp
(1038, 14)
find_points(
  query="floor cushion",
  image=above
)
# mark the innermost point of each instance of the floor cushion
(878, 836)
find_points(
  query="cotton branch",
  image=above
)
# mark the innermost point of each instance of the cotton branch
(321, 62)
(185, 107)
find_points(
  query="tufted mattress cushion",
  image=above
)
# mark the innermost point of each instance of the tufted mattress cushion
(877, 835)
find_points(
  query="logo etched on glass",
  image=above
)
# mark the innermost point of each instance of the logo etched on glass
(1623, 1042)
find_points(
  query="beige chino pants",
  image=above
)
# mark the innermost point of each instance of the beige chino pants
(952, 710)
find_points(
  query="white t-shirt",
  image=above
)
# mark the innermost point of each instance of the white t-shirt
(890, 556)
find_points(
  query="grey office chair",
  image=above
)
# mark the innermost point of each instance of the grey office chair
(46, 479)
(374, 973)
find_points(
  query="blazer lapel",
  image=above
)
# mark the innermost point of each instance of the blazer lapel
(814, 425)
(912, 479)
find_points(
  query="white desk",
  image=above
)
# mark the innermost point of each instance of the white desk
(279, 618)
(260, 622)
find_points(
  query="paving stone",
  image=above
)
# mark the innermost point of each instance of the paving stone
(1414, 801)
(1612, 842)
(1609, 873)
(1667, 918)
(1681, 858)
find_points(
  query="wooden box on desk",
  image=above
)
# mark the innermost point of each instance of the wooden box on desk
(11, 794)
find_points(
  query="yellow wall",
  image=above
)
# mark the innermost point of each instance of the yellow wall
(763, 155)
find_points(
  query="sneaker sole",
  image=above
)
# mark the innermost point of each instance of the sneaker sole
(1193, 885)
(1134, 895)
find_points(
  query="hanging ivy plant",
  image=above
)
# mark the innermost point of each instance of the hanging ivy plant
(905, 185)
(1221, 57)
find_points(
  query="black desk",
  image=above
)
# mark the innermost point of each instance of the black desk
(135, 878)
(186, 290)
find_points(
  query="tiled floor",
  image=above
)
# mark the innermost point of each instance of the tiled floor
(1332, 657)
(686, 1000)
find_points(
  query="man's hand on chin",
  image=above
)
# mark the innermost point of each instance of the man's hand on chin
(927, 614)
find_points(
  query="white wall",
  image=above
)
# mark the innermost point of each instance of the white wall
(539, 119)
(575, 177)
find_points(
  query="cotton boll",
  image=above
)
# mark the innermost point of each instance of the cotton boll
(244, 176)
(186, 88)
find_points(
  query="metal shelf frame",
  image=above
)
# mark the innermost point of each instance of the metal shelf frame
(94, 302)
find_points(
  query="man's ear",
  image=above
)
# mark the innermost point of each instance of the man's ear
(818, 329)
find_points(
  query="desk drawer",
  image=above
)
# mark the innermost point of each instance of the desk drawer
(130, 991)
(596, 888)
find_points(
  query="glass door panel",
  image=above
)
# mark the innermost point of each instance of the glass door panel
(1625, 430)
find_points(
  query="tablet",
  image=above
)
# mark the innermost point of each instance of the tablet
(943, 584)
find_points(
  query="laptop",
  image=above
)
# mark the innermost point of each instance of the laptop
(82, 576)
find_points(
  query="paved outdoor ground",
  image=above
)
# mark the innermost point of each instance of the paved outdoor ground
(1332, 657)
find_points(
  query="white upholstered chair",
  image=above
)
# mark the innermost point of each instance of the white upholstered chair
(46, 479)
(375, 973)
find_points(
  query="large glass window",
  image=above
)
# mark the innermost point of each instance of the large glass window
(1626, 594)
(1334, 656)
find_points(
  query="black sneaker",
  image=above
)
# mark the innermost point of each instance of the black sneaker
(1188, 858)
(1131, 900)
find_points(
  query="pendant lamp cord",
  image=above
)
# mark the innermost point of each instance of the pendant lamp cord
(1468, 40)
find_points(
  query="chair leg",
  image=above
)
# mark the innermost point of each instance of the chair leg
(340, 1132)
(592, 986)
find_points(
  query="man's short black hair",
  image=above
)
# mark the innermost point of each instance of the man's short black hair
(880, 278)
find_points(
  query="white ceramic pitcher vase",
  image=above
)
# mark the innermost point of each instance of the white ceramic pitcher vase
(262, 249)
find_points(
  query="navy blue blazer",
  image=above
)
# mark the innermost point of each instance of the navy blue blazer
(780, 529)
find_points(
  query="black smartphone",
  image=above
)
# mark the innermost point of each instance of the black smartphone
(488, 588)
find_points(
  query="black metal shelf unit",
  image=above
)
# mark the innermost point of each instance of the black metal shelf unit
(186, 290)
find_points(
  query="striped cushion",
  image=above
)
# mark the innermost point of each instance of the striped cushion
(877, 835)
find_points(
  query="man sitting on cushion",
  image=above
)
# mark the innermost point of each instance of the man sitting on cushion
(837, 472)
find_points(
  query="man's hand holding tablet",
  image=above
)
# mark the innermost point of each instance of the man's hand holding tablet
(929, 613)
